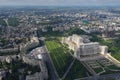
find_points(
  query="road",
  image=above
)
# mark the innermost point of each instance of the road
(115, 76)
(52, 71)
(8, 27)
(65, 74)
(6, 22)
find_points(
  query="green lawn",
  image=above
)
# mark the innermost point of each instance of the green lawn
(77, 71)
(98, 70)
(109, 72)
(116, 56)
(107, 68)
(13, 22)
(114, 67)
(2, 22)
(60, 55)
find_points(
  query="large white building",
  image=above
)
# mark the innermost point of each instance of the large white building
(89, 49)
(73, 41)
(82, 48)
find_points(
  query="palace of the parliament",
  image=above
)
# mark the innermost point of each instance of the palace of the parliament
(83, 48)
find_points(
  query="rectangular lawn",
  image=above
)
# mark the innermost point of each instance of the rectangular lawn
(60, 56)
(77, 71)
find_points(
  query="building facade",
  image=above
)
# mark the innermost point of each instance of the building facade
(84, 49)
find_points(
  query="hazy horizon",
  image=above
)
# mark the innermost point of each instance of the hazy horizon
(59, 2)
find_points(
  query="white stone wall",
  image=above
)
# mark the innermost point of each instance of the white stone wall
(89, 48)
(104, 49)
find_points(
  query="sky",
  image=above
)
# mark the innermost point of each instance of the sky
(60, 2)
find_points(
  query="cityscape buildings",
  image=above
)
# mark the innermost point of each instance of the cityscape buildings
(59, 43)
